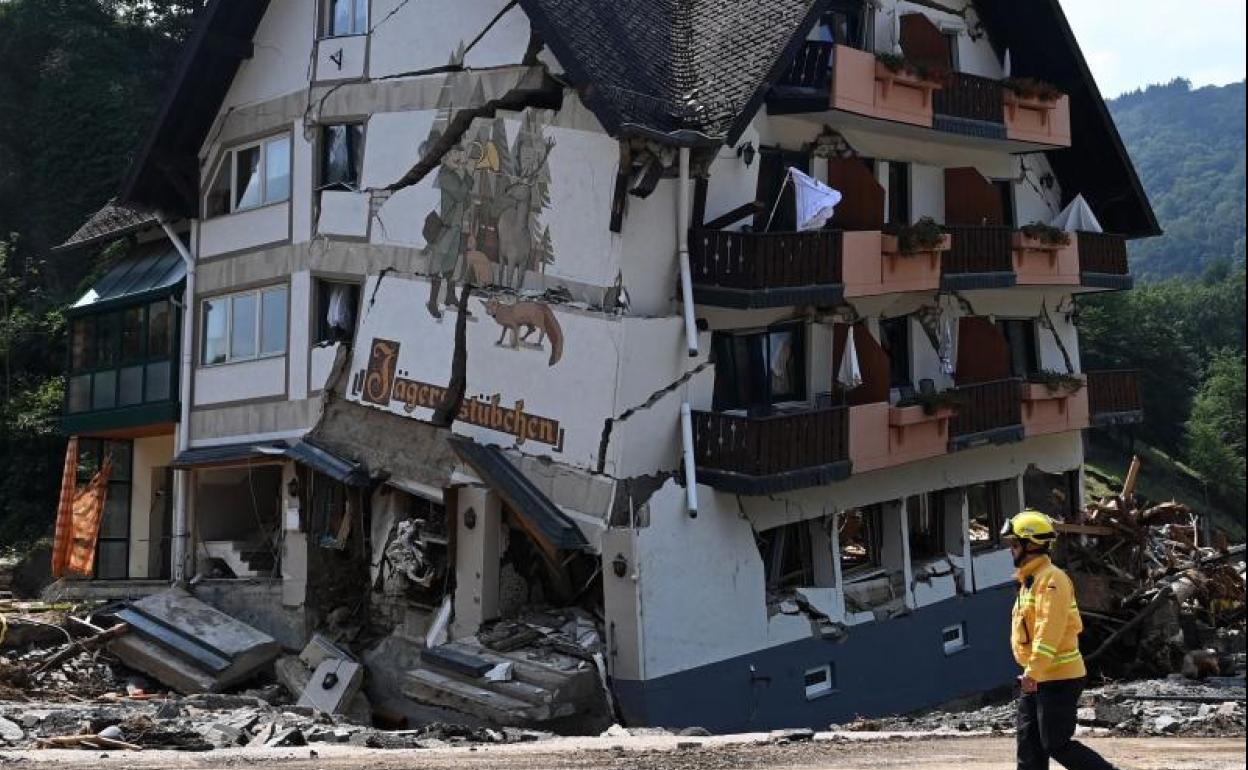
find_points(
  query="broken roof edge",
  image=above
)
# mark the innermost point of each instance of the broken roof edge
(110, 222)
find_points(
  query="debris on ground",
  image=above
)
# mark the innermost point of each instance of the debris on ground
(1158, 591)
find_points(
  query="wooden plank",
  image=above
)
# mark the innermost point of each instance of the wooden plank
(1065, 528)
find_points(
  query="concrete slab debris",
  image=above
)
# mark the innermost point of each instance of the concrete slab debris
(332, 686)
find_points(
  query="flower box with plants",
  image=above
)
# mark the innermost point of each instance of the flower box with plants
(925, 407)
(1053, 402)
(1030, 92)
(1053, 384)
(1038, 241)
(893, 68)
(924, 238)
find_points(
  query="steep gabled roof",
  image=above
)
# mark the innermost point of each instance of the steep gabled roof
(1042, 45)
(700, 67)
(109, 223)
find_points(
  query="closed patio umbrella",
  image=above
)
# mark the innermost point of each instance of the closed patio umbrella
(1076, 217)
(849, 373)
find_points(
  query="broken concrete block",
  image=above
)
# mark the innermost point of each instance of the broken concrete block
(319, 649)
(794, 735)
(291, 736)
(9, 731)
(188, 645)
(332, 686)
(292, 674)
(502, 672)
(1167, 723)
(223, 735)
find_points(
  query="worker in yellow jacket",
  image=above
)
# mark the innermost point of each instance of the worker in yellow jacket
(1045, 638)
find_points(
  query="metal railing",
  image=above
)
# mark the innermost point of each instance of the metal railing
(778, 443)
(811, 66)
(987, 406)
(970, 97)
(765, 260)
(1103, 253)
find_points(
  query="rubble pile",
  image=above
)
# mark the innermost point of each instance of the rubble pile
(1157, 593)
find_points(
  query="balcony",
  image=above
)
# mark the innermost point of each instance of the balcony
(837, 78)
(774, 453)
(1114, 398)
(1054, 407)
(980, 258)
(1041, 261)
(758, 270)
(989, 413)
(1103, 261)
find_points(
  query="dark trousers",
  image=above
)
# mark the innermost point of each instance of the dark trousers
(1046, 726)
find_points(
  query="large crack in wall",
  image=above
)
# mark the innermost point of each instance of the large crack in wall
(654, 398)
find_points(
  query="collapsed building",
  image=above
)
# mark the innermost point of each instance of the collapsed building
(511, 344)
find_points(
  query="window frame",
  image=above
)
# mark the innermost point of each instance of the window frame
(873, 517)
(322, 149)
(770, 399)
(100, 333)
(903, 170)
(228, 303)
(895, 380)
(932, 508)
(86, 445)
(1030, 339)
(229, 156)
(819, 689)
(996, 517)
(319, 307)
(327, 20)
(954, 646)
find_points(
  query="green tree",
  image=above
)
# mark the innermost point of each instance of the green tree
(1215, 431)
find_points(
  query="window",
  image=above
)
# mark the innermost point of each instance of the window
(895, 339)
(1020, 336)
(819, 681)
(846, 25)
(1005, 189)
(927, 525)
(1054, 494)
(895, 176)
(953, 638)
(120, 359)
(244, 326)
(788, 558)
(342, 156)
(983, 503)
(780, 213)
(336, 307)
(112, 555)
(754, 370)
(249, 176)
(345, 17)
(860, 538)
(951, 39)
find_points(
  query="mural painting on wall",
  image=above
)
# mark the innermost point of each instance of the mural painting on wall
(531, 317)
(488, 227)
(382, 383)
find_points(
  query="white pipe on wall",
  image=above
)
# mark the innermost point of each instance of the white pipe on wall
(181, 479)
(682, 240)
(691, 474)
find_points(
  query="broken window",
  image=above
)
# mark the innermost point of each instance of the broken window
(250, 176)
(754, 370)
(1054, 494)
(345, 17)
(983, 503)
(244, 326)
(926, 515)
(342, 156)
(238, 520)
(861, 539)
(788, 557)
(336, 306)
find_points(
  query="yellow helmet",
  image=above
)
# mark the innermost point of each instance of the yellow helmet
(1030, 525)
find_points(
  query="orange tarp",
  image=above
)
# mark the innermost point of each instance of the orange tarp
(78, 516)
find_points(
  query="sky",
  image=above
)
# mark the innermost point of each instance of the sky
(1133, 44)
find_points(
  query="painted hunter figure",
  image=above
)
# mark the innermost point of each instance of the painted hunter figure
(444, 229)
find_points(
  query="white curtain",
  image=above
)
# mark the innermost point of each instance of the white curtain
(338, 314)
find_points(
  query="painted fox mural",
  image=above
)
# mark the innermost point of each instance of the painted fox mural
(531, 316)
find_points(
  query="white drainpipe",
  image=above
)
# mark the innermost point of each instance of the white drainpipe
(691, 473)
(682, 240)
(181, 479)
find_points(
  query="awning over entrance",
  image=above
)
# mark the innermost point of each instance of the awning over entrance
(302, 451)
(520, 494)
(152, 270)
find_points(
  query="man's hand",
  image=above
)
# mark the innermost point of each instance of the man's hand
(1028, 684)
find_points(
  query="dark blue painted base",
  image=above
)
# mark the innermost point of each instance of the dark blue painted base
(887, 667)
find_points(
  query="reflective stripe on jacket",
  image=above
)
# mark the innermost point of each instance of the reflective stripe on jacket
(1046, 623)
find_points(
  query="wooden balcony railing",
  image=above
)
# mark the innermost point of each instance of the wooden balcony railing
(736, 269)
(992, 411)
(776, 444)
(811, 67)
(1114, 396)
(1103, 253)
(979, 250)
(970, 97)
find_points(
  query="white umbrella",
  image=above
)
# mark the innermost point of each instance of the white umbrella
(1076, 217)
(1006, 68)
(897, 33)
(849, 374)
(815, 201)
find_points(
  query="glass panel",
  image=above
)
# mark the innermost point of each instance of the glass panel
(361, 17)
(110, 560)
(983, 507)
(132, 334)
(277, 170)
(88, 459)
(131, 386)
(215, 325)
(104, 395)
(243, 326)
(79, 393)
(273, 322)
(159, 330)
(247, 178)
(158, 381)
(120, 452)
(116, 521)
(108, 331)
(340, 17)
(218, 202)
(340, 158)
(83, 344)
(785, 365)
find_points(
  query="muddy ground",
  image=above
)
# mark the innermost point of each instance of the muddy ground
(826, 752)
